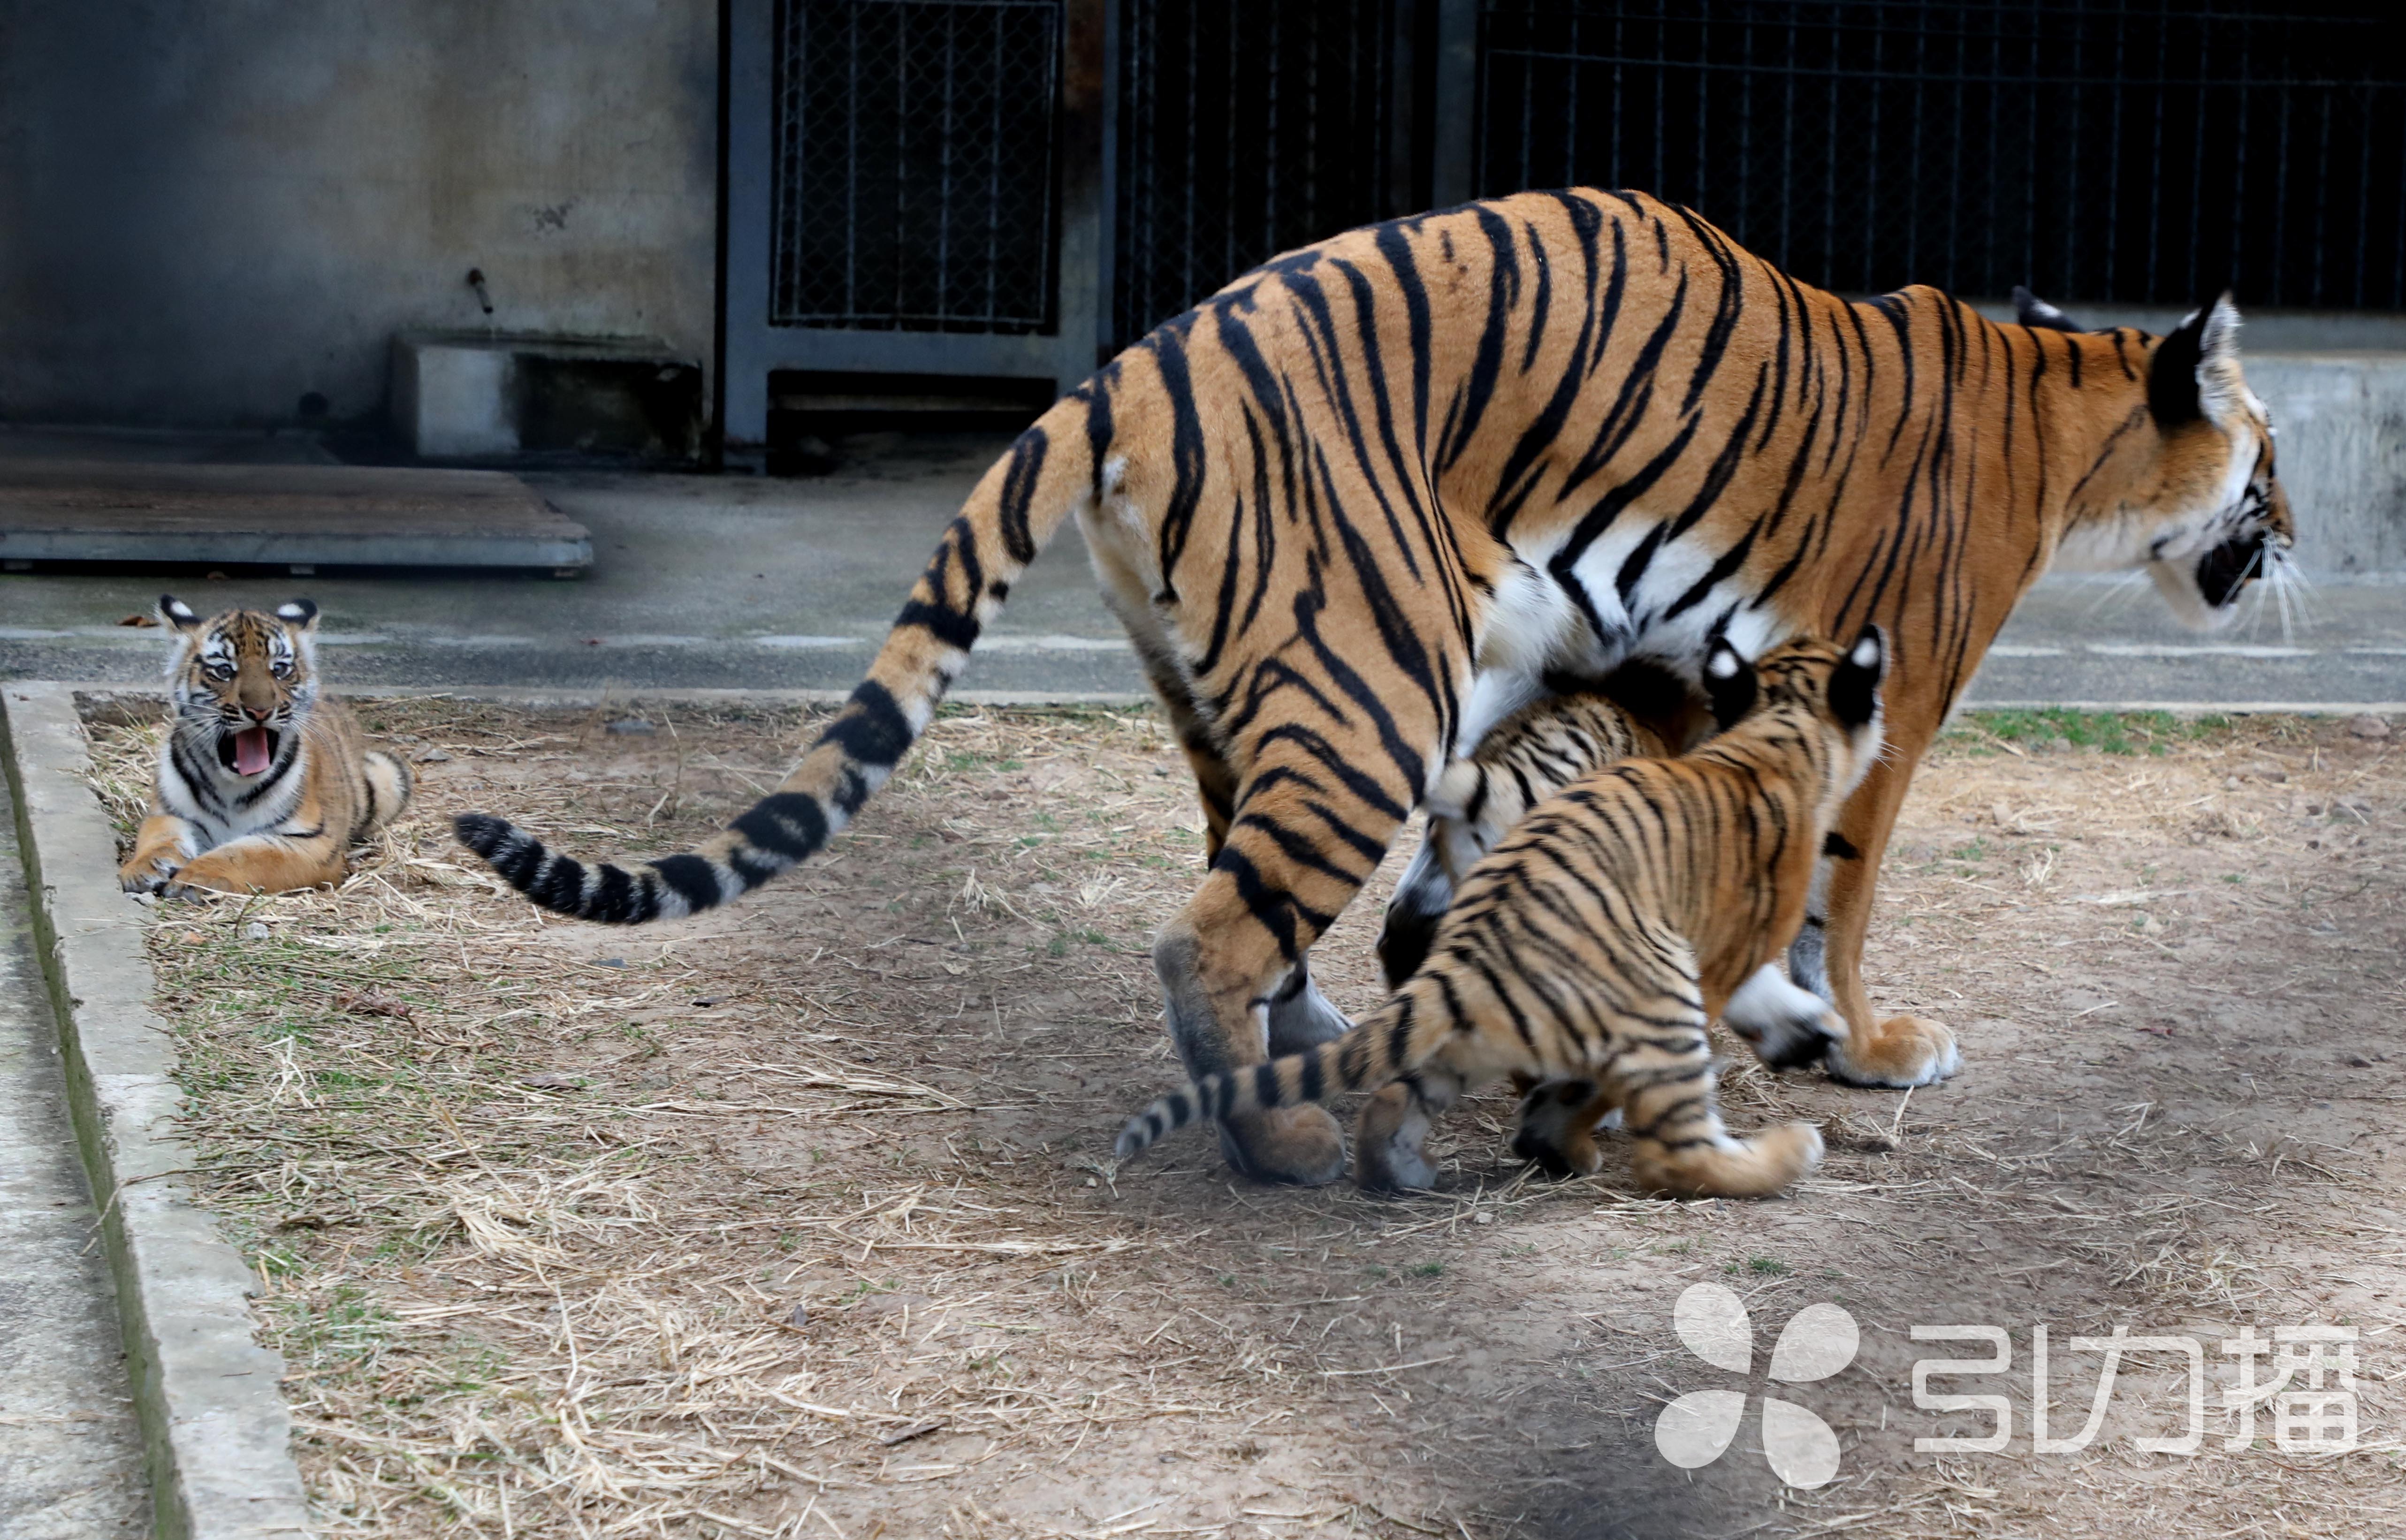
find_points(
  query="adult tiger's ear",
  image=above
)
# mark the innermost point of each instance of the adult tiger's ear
(300, 613)
(1729, 683)
(1854, 684)
(2195, 371)
(178, 615)
(2030, 310)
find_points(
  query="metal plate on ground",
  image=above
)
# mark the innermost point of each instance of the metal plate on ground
(303, 515)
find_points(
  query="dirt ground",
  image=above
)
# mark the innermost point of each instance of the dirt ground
(798, 1219)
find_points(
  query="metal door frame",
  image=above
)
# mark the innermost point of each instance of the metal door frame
(751, 348)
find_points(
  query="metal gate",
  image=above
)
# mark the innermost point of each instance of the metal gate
(2151, 153)
(915, 162)
(1244, 128)
(1016, 189)
(914, 188)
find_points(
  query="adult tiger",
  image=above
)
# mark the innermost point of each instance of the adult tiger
(1353, 507)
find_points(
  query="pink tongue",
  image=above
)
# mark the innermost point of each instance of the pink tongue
(250, 751)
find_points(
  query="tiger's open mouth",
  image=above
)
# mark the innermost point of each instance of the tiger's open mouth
(2223, 571)
(248, 752)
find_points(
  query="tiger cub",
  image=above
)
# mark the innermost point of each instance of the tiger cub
(264, 785)
(1526, 758)
(1591, 947)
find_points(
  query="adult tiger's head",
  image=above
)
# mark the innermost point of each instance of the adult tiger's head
(242, 682)
(2187, 491)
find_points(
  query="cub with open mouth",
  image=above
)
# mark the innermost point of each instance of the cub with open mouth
(263, 784)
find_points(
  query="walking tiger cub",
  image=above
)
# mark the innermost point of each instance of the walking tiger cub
(1588, 950)
(264, 785)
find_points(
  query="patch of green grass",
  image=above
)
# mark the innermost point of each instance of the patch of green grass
(2109, 733)
(1427, 1269)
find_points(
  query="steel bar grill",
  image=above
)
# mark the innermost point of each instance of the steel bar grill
(914, 169)
(1246, 128)
(2146, 153)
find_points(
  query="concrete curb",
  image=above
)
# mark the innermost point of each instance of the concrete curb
(216, 1433)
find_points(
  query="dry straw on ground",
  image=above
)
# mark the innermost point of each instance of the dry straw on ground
(798, 1219)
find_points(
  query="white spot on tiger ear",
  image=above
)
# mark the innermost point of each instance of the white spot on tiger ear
(1723, 663)
(1866, 653)
(291, 612)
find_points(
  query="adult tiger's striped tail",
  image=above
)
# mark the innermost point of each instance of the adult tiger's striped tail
(1053, 469)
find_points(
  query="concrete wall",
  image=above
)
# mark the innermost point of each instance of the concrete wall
(2342, 418)
(209, 209)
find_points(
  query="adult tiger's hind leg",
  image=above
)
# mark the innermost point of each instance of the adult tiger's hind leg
(1311, 822)
(1299, 1016)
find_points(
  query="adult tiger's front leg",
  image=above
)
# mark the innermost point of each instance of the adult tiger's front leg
(1900, 1051)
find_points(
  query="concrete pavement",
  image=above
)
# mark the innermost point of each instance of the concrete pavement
(749, 582)
(70, 1454)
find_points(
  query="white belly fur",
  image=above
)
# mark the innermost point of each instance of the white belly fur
(1535, 626)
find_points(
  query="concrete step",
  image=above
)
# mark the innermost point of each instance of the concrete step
(301, 516)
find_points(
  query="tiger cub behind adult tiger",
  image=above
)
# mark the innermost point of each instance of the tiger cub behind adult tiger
(263, 784)
(1591, 947)
(1526, 758)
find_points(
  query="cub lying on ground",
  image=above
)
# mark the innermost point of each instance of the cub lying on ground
(1588, 950)
(263, 784)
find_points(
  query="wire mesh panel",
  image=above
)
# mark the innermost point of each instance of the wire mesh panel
(913, 175)
(1246, 128)
(2140, 153)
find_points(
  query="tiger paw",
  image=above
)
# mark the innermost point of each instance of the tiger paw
(1903, 1051)
(1557, 1129)
(1387, 1139)
(142, 875)
(1758, 1167)
(1298, 1145)
(1786, 1026)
